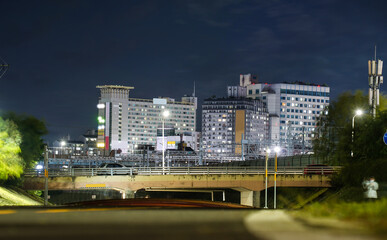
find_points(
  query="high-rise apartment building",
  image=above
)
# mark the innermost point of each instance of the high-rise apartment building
(226, 121)
(294, 109)
(126, 123)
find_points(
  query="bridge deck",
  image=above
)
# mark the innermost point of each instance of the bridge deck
(253, 182)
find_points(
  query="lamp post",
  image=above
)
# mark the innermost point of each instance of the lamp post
(267, 158)
(165, 115)
(62, 144)
(276, 150)
(358, 113)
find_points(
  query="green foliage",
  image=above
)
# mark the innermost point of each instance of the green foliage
(32, 130)
(11, 164)
(334, 139)
(373, 213)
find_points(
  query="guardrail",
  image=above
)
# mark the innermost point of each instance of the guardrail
(73, 172)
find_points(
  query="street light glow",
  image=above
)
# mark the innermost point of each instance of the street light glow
(268, 150)
(277, 149)
(166, 113)
(62, 143)
(359, 112)
(101, 106)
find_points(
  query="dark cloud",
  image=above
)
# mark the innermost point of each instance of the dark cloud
(59, 51)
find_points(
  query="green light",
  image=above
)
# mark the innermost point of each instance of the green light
(101, 120)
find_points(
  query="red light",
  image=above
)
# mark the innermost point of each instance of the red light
(265, 83)
(318, 85)
(253, 83)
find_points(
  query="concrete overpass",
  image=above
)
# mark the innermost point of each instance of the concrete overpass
(249, 185)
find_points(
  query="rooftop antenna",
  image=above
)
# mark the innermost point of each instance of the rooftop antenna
(375, 79)
(193, 95)
(375, 53)
(3, 67)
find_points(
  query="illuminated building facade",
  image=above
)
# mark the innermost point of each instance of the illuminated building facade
(126, 123)
(226, 121)
(294, 109)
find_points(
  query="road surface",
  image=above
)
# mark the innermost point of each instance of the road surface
(141, 223)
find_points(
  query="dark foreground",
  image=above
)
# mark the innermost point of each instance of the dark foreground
(157, 221)
(121, 223)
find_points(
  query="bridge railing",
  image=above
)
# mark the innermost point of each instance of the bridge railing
(73, 172)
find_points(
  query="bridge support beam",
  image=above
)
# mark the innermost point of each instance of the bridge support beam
(250, 198)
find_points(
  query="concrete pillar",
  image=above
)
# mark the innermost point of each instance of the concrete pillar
(129, 194)
(250, 198)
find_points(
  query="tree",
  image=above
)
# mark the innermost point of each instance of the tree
(11, 164)
(31, 130)
(334, 143)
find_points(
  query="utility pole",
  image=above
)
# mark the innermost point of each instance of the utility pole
(375, 79)
(242, 143)
(303, 140)
(45, 176)
(266, 160)
(201, 151)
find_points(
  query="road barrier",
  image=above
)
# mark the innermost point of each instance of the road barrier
(73, 172)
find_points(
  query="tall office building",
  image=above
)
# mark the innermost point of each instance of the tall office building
(226, 121)
(294, 109)
(126, 123)
(112, 117)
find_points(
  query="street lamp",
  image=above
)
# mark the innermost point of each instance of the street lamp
(358, 112)
(165, 115)
(267, 158)
(276, 150)
(62, 144)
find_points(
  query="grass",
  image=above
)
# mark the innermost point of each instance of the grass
(373, 214)
(14, 197)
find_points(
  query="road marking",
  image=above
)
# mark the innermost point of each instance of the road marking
(3, 212)
(72, 210)
(65, 210)
(96, 185)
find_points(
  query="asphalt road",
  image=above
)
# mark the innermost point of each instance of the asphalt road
(140, 223)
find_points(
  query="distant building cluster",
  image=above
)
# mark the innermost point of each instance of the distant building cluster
(129, 124)
(262, 115)
(253, 115)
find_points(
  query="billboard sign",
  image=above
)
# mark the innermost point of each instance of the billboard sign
(159, 101)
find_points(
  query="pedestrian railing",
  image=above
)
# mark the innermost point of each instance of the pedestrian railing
(73, 172)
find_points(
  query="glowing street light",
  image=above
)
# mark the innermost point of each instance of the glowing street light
(358, 112)
(62, 144)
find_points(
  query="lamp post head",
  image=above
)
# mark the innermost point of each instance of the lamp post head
(277, 149)
(62, 143)
(166, 113)
(268, 150)
(359, 112)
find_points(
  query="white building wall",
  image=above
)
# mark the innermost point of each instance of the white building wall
(236, 91)
(115, 112)
(298, 107)
(144, 118)
(131, 122)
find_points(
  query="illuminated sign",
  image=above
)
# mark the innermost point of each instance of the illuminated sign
(101, 120)
(159, 101)
(101, 106)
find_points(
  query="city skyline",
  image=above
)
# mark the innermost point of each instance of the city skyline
(59, 51)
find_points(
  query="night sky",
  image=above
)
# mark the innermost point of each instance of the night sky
(58, 51)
